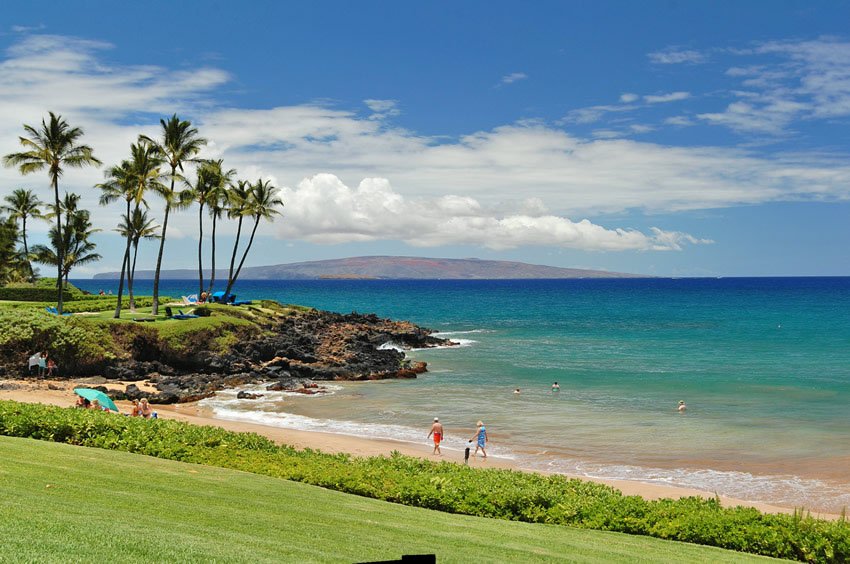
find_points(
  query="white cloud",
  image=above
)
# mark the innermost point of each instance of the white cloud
(321, 209)
(628, 97)
(513, 77)
(382, 109)
(27, 28)
(595, 113)
(809, 80)
(663, 98)
(479, 183)
(674, 56)
(640, 128)
(679, 120)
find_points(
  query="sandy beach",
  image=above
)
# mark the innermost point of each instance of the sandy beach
(60, 393)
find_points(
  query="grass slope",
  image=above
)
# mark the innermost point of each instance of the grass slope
(67, 503)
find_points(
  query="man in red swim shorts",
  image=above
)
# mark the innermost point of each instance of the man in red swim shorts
(437, 431)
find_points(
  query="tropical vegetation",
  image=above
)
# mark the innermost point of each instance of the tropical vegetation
(22, 205)
(155, 166)
(208, 514)
(444, 486)
(53, 147)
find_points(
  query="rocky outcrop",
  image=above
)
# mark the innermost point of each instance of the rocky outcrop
(285, 352)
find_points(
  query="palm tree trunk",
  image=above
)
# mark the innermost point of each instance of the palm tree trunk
(212, 259)
(124, 269)
(244, 256)
(155, 310)
(131, 272)
(233, 257)
(124, 264)
(60, 258)
(26, 248)
(132, 278)
(200, 250)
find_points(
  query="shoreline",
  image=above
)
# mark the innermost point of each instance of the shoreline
(60, 393)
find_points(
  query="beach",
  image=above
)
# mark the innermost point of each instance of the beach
(60, 393)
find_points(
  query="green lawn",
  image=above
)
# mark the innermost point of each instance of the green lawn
(67, 503)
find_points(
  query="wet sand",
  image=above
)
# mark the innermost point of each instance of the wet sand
(61, 393)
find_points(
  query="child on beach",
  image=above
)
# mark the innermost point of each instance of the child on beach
(466, 452)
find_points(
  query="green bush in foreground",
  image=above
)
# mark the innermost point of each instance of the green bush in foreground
(72, 342)
(503, 494)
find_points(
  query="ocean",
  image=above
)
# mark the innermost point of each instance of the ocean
(762, 363)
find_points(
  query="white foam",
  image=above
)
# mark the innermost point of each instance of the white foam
(458, 343)
(268, 413)
(778, 489)
(444, 334)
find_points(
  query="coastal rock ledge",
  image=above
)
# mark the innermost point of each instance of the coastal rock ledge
(286, 347)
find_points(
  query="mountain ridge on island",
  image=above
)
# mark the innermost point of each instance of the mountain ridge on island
(390, 268)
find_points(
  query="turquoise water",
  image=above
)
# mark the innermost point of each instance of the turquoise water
(763, 364)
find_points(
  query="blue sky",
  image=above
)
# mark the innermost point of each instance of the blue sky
(665, 138)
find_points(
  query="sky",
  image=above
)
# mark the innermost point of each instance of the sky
(666, 138)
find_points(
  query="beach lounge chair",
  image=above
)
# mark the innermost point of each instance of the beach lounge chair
(191, 299)
(179, 315)
(54, 311)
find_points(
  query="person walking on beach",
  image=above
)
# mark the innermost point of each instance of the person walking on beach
(481, 437)
(437, 431)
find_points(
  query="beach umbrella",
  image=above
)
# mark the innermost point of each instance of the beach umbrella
(92, 395)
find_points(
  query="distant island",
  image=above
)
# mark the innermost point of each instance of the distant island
(391, 268)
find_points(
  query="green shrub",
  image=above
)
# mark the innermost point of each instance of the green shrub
(76, 345)
(504, 494)
(31, 294)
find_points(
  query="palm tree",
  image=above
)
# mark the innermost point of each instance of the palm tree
(262, 203)
(180, 143)
(12, 269)
(217, 204)
(75, 244)
(208, 190)
(51, 147)
(237, 202)
(139, 227)
(21, 205)
(130, 181)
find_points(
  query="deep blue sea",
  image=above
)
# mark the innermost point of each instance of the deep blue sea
(762, 363)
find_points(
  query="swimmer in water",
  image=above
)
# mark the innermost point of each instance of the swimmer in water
(682, 407)
(556, 387)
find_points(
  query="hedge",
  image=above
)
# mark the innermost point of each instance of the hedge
(32, 294)
(444, 486)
